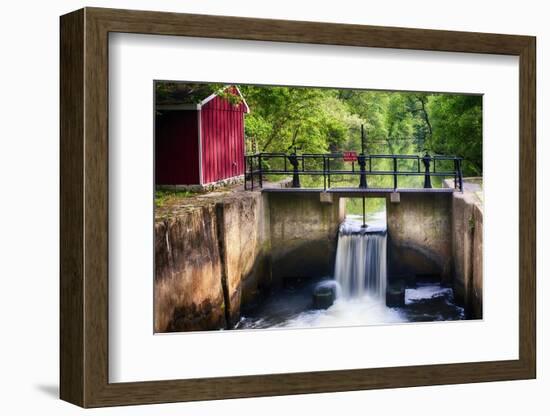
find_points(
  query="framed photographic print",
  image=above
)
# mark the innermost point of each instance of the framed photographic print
(255, 207)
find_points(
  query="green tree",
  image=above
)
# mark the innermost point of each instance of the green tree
(370, 107)
(281, 118)
(456, 122)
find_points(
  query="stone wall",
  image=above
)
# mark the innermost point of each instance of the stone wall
(243, 225)
(304, 234)
(419, 235)
(188, 291)
(219, 255)
(210, 258)
(467, 235)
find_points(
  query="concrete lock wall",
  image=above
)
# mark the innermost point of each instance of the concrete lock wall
(304, 234)
(188, 291)
(419, 236)
(467, 232)
(244, 238)
(209, 260)
(213, 259)
(439, 235)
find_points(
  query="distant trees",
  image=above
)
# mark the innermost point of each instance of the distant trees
(457, 128)
(281, 118)
(323, 120)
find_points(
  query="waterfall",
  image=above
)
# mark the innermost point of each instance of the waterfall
(360, 267)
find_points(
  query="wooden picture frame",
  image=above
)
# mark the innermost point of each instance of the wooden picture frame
(84, 207)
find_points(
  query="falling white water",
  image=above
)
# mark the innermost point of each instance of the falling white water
(360, 267)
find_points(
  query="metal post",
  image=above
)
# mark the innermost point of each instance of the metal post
(361, 160)
(260, 167)
(364, 222)
(460, 175)
(251, 173)
(293, 159)
(456, 172)
(394, 172)
(325, 172)
(427, 179)
(328, 171)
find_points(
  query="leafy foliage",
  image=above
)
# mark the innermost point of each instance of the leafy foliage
(329, 120)
(284, 118)
(317, 120)
(457, 128)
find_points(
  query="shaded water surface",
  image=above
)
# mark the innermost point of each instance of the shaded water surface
(293, 308)
(359, 283)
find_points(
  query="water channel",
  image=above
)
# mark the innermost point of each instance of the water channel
(358, 285)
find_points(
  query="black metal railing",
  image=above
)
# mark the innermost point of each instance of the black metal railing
(262, 166)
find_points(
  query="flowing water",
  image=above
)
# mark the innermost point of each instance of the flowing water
(360, 266)
(359, 282)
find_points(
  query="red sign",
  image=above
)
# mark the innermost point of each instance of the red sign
(350, 156)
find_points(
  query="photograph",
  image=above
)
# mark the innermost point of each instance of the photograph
(279, 207)
(254, 204)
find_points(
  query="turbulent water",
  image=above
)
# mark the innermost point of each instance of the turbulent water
(360, 286)
(295, 312)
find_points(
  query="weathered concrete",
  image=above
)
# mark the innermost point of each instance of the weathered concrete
(211, 256)
(467, 233)
(243, 224)
(419, 231)
(218, 253)
(188, 292)
(304, 233)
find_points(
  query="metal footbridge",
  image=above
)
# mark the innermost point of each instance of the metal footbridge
(351, 173)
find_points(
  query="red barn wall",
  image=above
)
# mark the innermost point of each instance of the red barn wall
(222, 140)
(177, 148)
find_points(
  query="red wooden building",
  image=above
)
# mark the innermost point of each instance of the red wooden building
(199, 141)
